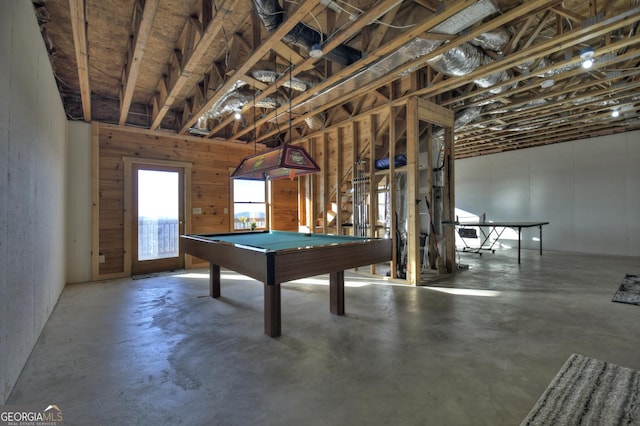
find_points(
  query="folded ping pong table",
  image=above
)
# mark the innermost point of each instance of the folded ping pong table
(495, 228)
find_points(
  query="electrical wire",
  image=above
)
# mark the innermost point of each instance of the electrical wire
(226, 48)
(319, 26)
(401, 27)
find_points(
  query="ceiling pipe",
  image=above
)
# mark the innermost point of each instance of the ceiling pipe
(272, 15)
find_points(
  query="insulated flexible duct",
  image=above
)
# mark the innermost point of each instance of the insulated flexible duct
(271, 15)
(295, 83)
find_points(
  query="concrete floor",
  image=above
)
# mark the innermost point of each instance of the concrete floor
(477, 348)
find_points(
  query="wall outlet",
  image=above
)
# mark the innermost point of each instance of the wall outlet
(197, 210)
(101, 258)
(226, 210)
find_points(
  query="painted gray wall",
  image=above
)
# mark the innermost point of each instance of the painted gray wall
(33, 152)
(589, 191)
(79, 203)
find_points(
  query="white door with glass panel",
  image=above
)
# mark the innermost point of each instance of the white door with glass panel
(158, 215)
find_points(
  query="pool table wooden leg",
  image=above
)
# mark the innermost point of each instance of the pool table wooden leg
(214, 280)
(272, 323)
(336, 292)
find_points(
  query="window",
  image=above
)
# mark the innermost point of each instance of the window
(249, 204)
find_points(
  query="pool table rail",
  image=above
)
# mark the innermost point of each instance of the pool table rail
(273, 267)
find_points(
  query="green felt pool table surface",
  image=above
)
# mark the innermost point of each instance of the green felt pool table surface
(281, 240)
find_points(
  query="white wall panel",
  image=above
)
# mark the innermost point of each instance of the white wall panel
(633, 191)
(21, 198)
(587, 189)
(6, 17)
(510, 187)
(551, 169)
(34, 133)
(476, 176)
(600, 195)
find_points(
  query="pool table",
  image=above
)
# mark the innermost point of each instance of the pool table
(274, 257)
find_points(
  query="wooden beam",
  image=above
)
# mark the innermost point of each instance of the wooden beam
(338, 181)
(392, 188)
(427, 4)
(433, 113)
(536, 30)
(325, 182)
(569, 14)
(568, 76)
(566, 40)
(209, 35)
(513, 43)
(362, 21)
(404, 38)
(132, 68)
(287, 53)
(413, 221)
(79, 30)
(607, 8)
(257, 55)
(381, 31)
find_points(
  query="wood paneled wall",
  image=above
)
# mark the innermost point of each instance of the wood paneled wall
(284, 205)
(209, 185)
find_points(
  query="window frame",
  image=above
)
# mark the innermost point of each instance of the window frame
(233, 203)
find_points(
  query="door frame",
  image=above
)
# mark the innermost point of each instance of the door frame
(128, 200)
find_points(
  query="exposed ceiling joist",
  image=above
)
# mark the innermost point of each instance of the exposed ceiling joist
(79, 29)
(502, 65)
(531, 6)
(143, 23)
(209, 35)
(392, 46)
(257, 55)
(371, 14)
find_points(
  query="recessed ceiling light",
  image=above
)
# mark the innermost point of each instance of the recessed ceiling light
(587, 57)
(547, 83)
(615, 113)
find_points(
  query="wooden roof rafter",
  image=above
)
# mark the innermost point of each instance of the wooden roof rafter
(570, 78)
(338, 38)
(191, 61)
(549, 121)
(79, 29)
(530, 7)
(144, 12)
(401, 40)
(567, 39)
(544, 109)
(259, 53)
(547, 135)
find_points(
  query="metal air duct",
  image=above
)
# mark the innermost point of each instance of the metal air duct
(271, 15)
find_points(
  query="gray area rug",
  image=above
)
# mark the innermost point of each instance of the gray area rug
(588, 391)
(629, 291)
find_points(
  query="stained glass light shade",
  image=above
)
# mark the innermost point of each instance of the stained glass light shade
(285, 161)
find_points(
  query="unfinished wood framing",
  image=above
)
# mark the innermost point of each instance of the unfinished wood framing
(370, 137)
(79, 29)
(144, 12)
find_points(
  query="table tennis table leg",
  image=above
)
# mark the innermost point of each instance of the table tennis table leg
(540, 228)
(519, 239)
